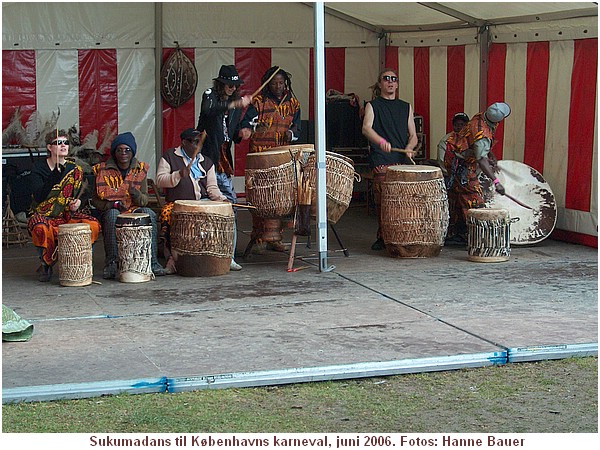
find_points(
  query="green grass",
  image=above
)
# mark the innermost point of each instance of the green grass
(549, 396)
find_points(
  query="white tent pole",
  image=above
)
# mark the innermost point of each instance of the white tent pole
(320, 134)
(158, 49)
(484, 53)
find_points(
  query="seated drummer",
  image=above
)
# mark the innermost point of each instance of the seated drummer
(56, 186)
(186, 174)
(122, 187)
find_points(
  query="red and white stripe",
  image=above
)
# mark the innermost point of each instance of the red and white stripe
(551, 87)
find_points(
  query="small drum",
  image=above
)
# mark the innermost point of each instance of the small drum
(75, 254)
(202, 237)
(489, 235)
(340, 183)
(134, 241)
(414, 211)
(271, 182)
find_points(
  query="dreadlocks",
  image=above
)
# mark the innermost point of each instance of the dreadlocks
(286, 76)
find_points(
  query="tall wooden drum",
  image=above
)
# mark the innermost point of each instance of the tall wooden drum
(414, 211)
(134, 242)
(202, 237)
(75, 254)
(488, 238)
(340, 183)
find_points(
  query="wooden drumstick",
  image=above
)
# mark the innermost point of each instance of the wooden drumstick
(402, 150)
(239, 205)
(198, 148)
(266, 82)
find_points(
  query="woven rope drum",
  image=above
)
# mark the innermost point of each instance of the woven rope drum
(414, 211)
(202, 237)
(340, 183)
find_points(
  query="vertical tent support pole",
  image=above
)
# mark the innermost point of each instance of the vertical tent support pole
(158, 49)
(319, 77)
(484, 52)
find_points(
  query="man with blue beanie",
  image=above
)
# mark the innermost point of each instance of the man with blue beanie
(122, 187)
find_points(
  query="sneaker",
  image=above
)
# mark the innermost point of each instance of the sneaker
(158, 270)
(44, 273)
(235, 266)
(378, 244)
(277, 246)
(110, 271)
(457, 239)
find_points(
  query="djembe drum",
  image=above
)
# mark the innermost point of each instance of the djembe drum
(75, 254)
(414, 211)
(340, 183)
(202, 237)
(134, 241)
(488, 238)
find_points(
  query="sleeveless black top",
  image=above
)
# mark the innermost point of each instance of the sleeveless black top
(390, 122)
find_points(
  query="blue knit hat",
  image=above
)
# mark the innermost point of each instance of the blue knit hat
(123, 138)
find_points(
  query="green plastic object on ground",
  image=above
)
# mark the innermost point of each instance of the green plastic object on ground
(14, 328)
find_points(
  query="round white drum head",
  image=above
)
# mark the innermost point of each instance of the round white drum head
(528, 226)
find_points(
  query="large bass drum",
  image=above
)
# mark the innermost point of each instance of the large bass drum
(528, 226)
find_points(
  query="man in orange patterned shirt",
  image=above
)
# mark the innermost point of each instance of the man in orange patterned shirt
(122, 187)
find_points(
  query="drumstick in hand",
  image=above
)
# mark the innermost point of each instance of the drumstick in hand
(401, 150)
(197, 149)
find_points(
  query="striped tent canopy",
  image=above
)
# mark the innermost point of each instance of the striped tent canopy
(97, 62)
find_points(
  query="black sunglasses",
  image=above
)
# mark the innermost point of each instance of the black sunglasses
(389, 78)
(193, 141)
(60, 142)
(123, 150)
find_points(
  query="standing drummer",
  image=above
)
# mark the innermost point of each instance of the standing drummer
(186, 174)
(388, 123)
(467, 154)
(272, 120)
(122, 187)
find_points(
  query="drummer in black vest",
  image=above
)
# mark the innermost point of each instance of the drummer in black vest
(388, 123)
(186, 174)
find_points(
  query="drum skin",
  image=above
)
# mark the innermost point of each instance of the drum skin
(75, 254)
(414, 211)
(202, 237)
(488, 237)
(528, 226)
(134, 240)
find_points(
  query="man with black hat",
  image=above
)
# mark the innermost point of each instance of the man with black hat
(467, 154)
(186, 174)
(220, 115)
(459, 120)
(122, 187)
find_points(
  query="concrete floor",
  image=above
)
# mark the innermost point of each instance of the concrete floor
(370, 310)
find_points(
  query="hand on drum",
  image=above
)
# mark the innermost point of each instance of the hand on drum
(75, 204)
(245, 133)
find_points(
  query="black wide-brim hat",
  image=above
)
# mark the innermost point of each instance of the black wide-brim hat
(229, 75)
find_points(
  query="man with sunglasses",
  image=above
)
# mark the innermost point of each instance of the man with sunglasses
(186, 174)
(56, 186)
(122, 187)
(388, 124)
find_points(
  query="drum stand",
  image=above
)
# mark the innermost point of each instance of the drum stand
(293, 247)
